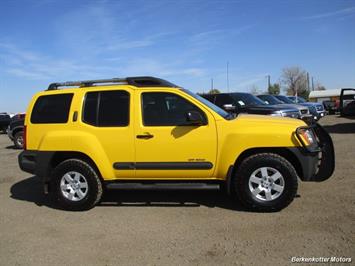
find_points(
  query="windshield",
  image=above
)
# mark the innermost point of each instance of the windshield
(244, 99)
(215, 108)
(283, 99)
(297, 99)
(270, 99)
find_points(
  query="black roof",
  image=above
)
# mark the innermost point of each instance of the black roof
(134, 81)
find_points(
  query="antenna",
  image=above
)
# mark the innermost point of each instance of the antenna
(228, 76)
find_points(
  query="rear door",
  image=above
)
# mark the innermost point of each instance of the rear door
(108, 116)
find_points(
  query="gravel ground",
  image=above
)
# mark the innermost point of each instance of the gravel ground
(180, 228)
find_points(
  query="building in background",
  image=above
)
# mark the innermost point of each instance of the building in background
(326, 95)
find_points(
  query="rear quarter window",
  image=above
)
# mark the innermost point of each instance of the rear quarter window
(52, 109)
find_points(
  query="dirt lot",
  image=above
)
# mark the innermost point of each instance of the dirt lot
(196, 228)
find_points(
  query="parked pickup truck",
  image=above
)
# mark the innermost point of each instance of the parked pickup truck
(272, 100)
(4, 121)
(15, 130)
(147, 133)
(241, 102)
(317, 109)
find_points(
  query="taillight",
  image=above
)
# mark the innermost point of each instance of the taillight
(25, 137)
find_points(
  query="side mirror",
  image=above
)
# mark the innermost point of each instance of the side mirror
(229, 107)
(195, 118)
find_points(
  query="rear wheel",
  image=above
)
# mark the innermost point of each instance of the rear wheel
(18, 140)
(75, 185)
(266, 182)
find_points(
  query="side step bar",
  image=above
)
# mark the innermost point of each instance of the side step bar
(162, 186)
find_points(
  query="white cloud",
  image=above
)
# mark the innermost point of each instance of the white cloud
(213, 37)
(345, 11)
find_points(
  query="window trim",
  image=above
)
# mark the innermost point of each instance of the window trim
(98, 109)
(169, 92)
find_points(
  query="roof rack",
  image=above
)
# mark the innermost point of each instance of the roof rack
(134, 81)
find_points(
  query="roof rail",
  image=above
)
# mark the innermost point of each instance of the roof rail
(134, 81)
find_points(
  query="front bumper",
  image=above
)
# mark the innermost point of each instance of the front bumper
(317, 164)
(319, 114)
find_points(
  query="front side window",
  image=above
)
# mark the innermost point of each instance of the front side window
(244, 99)
(166, 109)
(106, 108)
(223, 99)
(52, 109)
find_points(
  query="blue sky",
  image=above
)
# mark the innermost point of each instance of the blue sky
(187, 42)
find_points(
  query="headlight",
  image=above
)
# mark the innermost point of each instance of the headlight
(284, 114)
(306, 136)
(277, 114)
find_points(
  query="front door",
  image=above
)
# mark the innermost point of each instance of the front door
(165, 145)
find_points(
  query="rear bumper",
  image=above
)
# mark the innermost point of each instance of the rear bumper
(35, 162)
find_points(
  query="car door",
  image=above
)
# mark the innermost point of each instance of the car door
(107, 115)
(165, 145)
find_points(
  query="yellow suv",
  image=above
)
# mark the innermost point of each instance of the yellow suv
(145, 132)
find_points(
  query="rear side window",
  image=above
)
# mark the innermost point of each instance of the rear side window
(52, 109)
(106, 109)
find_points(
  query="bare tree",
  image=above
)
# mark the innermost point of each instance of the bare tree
(295, 81)
(319, 87)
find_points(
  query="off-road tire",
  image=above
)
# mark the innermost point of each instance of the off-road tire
(94, 193)
(257, 161)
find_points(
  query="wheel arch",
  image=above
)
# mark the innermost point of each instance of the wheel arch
(16, 130)
(284, 152)
(61, 156)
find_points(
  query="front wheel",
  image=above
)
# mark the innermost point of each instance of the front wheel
(75, 185)
(266, 182)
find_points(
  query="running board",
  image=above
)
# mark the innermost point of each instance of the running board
(163, 186)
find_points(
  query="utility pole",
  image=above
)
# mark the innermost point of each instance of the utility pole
(312, 84)
(228, 76)
(268, 82)
(212, 84)
(307, 81)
